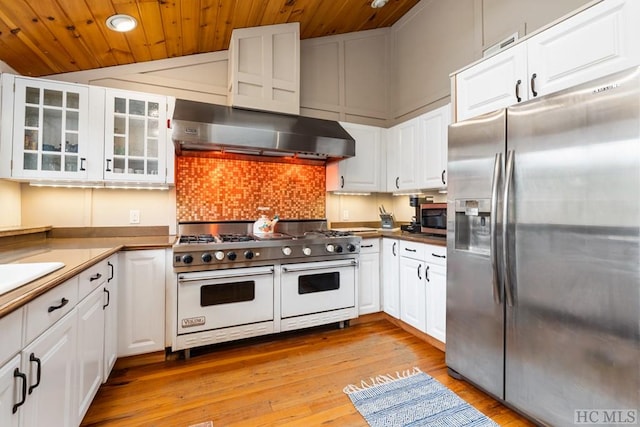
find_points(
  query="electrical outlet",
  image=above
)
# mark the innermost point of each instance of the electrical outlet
(345, 214)
(134, 217)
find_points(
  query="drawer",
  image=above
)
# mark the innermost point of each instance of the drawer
(369, 246)
(92, 278)
(436, 255)
(412, 250)
(10, 335)
(47, 309)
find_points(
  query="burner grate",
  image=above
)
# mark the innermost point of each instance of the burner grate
(234, 237)
(197, 238)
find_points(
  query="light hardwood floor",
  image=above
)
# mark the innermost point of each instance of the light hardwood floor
(294, 379)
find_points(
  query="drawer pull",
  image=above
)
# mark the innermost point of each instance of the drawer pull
(95, 277)
(366, 246)
(16, 374)
(438, 256)
(63, 302)
(410, 250)
(33, 358)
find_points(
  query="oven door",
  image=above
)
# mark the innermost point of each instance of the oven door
(314, 287)
(223, 298)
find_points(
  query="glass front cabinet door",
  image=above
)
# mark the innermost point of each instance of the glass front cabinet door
(50, 130)
(135, 137)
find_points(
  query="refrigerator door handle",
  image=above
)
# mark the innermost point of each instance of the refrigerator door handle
(493, 223)
(506, 260)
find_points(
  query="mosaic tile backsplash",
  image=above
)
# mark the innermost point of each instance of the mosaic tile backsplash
(212, 189)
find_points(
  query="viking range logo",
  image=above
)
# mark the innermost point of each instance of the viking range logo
(194, 321)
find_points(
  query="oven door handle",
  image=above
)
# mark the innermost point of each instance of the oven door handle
(183, 278)
(351, 263)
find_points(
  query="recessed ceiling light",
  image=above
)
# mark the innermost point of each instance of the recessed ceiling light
(121, 23)
(378, 3)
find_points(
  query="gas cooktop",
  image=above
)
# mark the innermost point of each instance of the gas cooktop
(206, 246)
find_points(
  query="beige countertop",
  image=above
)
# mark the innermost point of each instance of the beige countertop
(77, 254)
(403, 235)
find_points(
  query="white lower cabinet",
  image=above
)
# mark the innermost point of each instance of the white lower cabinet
(436, 291)
(90, 348)
(369, 280)
(50, 365)
(141, 302)
(391, 277)
(110, 308)
(412, 292)
(437, 301)
(12, 381)
(423, 287)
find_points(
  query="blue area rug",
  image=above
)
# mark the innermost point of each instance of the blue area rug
(412, 398)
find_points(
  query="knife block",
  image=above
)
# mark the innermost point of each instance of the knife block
(386, 220)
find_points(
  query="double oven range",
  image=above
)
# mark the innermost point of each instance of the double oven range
(232, 284)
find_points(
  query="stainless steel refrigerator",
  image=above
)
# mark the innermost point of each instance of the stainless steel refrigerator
(543, 242)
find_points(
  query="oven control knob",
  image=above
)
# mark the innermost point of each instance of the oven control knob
(219, 255)
(351, 247)
(338, 249)
(231, 255)
(206, 257)
(306, 251)
(248, 254)
(187, 259)
(330, 248)
(286, 250)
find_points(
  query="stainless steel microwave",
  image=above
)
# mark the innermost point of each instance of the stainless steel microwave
(433, 218)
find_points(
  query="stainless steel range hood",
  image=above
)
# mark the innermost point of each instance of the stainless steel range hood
(198, 126)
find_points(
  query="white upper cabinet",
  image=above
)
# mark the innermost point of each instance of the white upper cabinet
(404, 140)
(417, 152)
(264, 68)
(497, 82)
(135, 137)
(77, 134)
(362, 173)
(434, 129)
(45, 127)
(595, 42)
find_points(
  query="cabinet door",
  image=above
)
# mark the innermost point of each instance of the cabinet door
(264, 68)
(11, 387)
(50, 130)
(362, 172)
(90, 349)
(141, 302)
(392, 150)
(391, 277)
(598, 41)
(50, 365)
(407, 135)
(497, 82)
(369, 280)
(436, 278)
(434, 137)
(136, 137)
(412, 292)
(110, 307)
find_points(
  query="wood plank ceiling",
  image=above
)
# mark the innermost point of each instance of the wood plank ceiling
(43, 37)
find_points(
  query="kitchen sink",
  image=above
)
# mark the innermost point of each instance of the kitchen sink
(13, 276)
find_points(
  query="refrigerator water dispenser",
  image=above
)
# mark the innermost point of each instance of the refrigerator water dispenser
(472, 228)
